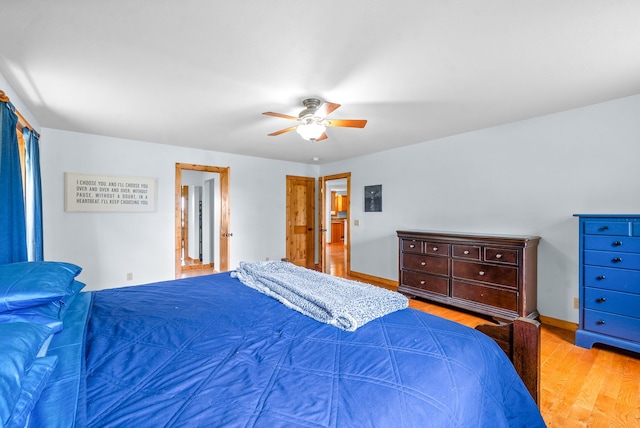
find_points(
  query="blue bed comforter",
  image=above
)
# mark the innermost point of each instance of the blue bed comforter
(211, 352)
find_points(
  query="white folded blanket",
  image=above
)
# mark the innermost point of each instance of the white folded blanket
(337, 301)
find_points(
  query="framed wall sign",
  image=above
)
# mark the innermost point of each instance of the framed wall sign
(106, 193)
(373, 198)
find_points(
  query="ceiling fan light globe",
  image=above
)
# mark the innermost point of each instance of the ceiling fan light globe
(310, 131)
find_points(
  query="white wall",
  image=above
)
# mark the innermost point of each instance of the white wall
(525, 178)
(110, 245)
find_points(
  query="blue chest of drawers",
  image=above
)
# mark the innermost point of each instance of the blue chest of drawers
(609, 281)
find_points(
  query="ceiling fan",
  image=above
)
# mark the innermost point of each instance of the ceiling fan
(312, 121)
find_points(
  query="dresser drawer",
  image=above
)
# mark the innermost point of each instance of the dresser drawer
(470, 252)
(612, 259)
(502, 275)
(436, 248)
(496, 275)
(411, 246)
(610, 243)
(612, 301)
(491, 296)
(606, 227)
(423, 281)
(501, 255)
(437, 265)
(612, 279)
(613, 325)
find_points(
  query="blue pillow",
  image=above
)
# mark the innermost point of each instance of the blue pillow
(20, 344)
(74, 288)
(33, 384)
(48, 314)
(27, 284)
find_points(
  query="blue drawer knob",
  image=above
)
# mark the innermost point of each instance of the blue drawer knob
(600, 322)
(604, 228)
(601, 300)
(617, 243)
(600, 277)
(617, 259)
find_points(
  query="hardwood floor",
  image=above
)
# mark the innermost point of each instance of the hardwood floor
(336, 254)
(598, 387)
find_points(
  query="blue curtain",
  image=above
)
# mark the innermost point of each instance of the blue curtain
(13, 243)
(33, 196)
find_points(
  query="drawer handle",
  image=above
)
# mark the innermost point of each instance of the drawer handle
(423, 282)
(423, 263)
(481, 273)
(617, 259)
(601, 300)
(604, 228)
(435, 248)
(467, 252)
(600, 277)
(617, 243)
(412, 246)
(498, 256)
(600, 322)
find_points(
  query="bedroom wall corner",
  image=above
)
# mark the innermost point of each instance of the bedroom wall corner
(524, 178)
(18, 103)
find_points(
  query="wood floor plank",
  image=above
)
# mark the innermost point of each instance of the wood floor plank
(594, 380)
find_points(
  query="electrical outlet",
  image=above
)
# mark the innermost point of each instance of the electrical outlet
(356, 222)
(576, 303)
(129, 276)
(266, 259)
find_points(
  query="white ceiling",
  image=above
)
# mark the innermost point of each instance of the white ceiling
(200, 73)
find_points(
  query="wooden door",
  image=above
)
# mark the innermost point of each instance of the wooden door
(300, 221)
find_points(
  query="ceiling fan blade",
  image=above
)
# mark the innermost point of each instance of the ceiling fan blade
(282, 131)
(326, 109)
(346, 123)
(284, 116)
(322, 137)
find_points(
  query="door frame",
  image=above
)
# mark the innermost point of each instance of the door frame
(225, 213)
(323, 227)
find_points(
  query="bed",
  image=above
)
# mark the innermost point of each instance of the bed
(217, 351)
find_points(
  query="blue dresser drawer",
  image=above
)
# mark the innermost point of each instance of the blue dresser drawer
(612, 259)
(607, 227)
(612, 279)
(612, 325)
(612, 243)
(609, 280)
(612, 301)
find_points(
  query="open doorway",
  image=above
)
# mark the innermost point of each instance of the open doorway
(202, 219)
(334, 218)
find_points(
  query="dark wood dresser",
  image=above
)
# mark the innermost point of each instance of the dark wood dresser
(493, 275)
